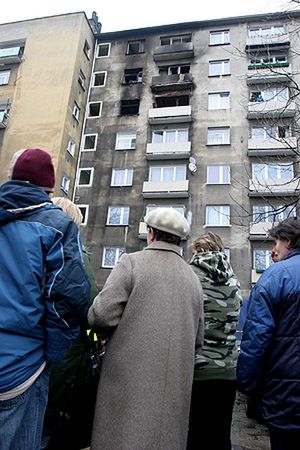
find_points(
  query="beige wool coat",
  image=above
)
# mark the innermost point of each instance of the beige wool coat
(152, 304)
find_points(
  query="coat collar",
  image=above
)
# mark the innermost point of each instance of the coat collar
(166, 246)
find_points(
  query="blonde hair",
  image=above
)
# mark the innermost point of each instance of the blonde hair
(209, 242)
(69, 208)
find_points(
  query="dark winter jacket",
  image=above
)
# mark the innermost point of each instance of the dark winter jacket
(44, 289)
(269, 362)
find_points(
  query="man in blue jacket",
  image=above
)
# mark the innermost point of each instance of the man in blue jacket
(269, 362)
(44, 293)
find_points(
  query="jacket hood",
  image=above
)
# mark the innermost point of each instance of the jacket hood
(215, 265)
(19, 198)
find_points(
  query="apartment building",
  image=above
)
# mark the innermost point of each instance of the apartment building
(198, 116)
(45, 67)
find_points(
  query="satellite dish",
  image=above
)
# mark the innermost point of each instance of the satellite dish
(192, 160)
(192, 167)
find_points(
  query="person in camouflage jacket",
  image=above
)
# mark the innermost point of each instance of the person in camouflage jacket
(214, 387)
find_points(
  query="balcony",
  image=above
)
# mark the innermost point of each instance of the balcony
(166, 189)
(274, 188)
(271, 42)
(11, 55)
(3, 119)
(269, 75)
(184, 50)
(168, 150)
(175, 82)
(272, 146)
(271, 109)
(259, 231)
(170, 114)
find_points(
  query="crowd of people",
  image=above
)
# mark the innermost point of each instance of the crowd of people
(171, 365)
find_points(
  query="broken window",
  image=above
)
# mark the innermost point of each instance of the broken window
(130, 107)
(179, 100)
(94, 109)
(99, 79)
(134, 47)
(103, 50)
(133, 76)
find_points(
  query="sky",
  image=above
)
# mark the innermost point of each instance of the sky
(117, 15)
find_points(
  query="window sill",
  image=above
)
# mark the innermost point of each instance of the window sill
(216, 226)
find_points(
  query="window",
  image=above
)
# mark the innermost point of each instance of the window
(76, 111)
(103, 50)
(217, 68)
(219, 100)
(218, 174)
(117, 215)
(179, 208)
(134, 47)
(219, 37)
(262, 259)
(81, 79)
(99, 79)
(279, 171)
(71, 147)
(111, 256)
(170, 136)
(87, 49)
(4, 77)
(122, 177)
(132, 76)
(174, 70)
(171, 40)
(266, 31)
(268, 60)
(85, 213)
(65, 184)
(94, 109)
(218, 215)
(280, 132)
(86, 176)
(130, 107)
(276, 93)
(166, 102)
(125, 140)
(167, 173)
(268, 213)
(218, 136)
(89, 142)
(227, 253)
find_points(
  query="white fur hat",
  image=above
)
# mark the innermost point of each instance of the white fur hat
(168, 220)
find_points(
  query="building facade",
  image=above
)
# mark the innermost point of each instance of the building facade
(45, 67)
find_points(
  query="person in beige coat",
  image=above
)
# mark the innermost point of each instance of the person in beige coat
(151, 308)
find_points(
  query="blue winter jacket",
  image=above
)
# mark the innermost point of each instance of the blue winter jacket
(269, 362)
(44, 290)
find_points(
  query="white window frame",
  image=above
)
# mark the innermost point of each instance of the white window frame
(224, 37)
(268, 30)
(118, 254)
(65, 184)
(218, 100)
(124, 213)
(102, 44)
(81, 79)
(218, 136)
(71, 147)
(87, 49)
(127, 138)
(81, 169)
(281, 170)
(4, 77)
(165, 133)
(164, 168)
(180, 208)
(104, 72)
(222, 168)
(177, 39)
(86, 215)
(227, 252)
(270, 132)
(268, 259)
(127, 177)
(83, 149)
(100, 109)
(76, 112)
(141, 45)
(223, 212)
(223, 66)
(268, 213)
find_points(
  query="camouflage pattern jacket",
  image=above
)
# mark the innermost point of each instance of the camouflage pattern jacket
(222, 299)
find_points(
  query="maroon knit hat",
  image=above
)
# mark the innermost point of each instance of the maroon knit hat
(33, 165)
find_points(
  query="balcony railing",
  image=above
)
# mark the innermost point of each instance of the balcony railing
(270, 187)
(259, 231)
(176, 52)
(272, 146)
(175, 150)
(171, 114)
(269, 75)
(271, 109)
(275, 41)
(165, 189)
(172, 82)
